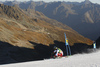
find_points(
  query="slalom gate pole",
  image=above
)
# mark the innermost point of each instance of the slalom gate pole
(66, 44)
(67, 50)
(94, 46)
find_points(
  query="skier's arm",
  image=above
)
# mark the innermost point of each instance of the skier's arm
(57, 52)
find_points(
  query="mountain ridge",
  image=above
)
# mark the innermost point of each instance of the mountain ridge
(40, 29)
(76, 16)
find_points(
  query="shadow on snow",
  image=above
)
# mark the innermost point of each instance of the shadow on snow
(14, 54)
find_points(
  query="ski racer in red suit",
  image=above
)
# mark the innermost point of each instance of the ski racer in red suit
(57, 52)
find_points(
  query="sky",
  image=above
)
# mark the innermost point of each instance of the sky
(93, 1)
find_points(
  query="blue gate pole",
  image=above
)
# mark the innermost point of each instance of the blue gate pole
(69, 50)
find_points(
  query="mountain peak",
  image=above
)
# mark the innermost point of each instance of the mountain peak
(87, 2)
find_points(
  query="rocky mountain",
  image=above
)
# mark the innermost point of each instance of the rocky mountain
(18, 27)
(27, 35)
(82, 17)
(86, 2)
(24, 5)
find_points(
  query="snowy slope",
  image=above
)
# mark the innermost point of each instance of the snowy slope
(78, 60)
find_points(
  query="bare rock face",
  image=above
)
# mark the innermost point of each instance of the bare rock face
(87, 2)
(18, 27)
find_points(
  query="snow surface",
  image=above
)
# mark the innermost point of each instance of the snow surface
(78, 60)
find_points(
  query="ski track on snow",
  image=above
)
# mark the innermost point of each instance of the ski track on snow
(78, 60)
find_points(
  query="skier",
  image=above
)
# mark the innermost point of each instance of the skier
(57, 52)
